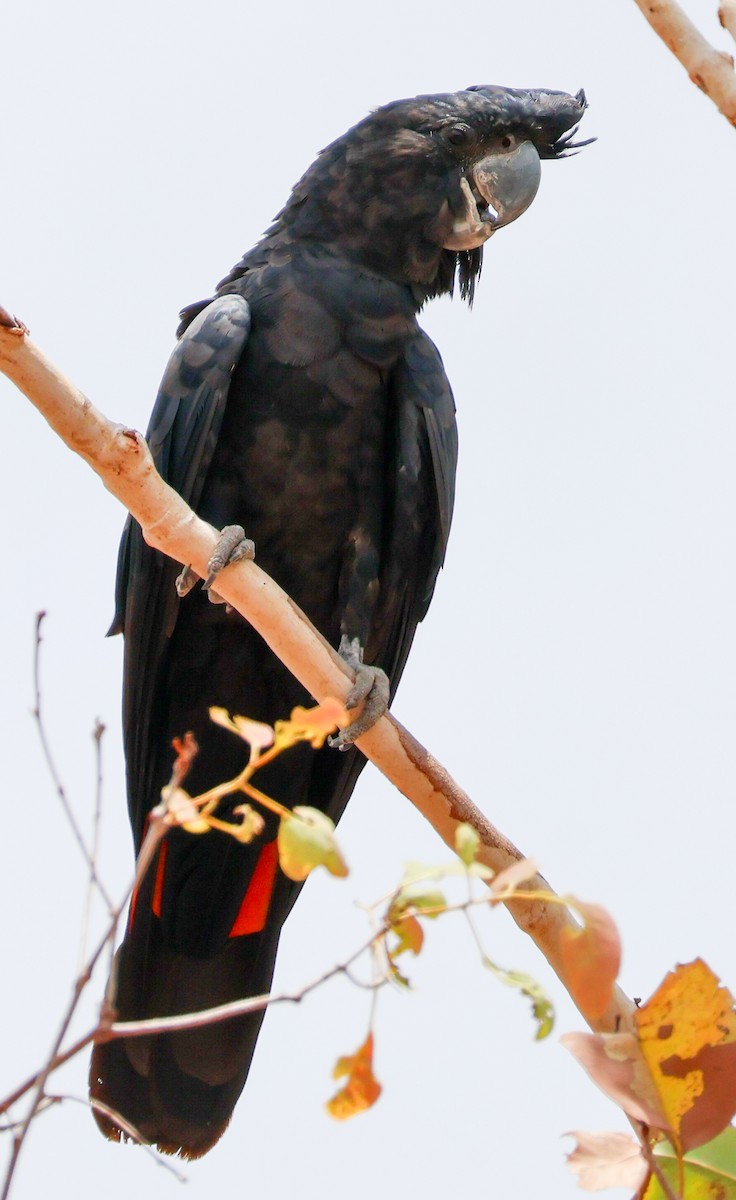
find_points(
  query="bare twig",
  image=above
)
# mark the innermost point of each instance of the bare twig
(710, 69)
(47, 1103)
(122, 460)
(126, 1126)
(38, 1096)
(63, 1056)
(226, 1012)
(107, 1030)
(97, 734)
(655, 1167)
(61, 793)
(56, 1057)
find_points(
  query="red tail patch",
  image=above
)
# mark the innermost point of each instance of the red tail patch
(254, 909)
(158, 883)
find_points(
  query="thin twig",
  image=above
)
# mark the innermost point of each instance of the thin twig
(38, 1095)
(131, 1130)
(225, 1012)
(47, 1103)
(60, 791)
(654, 1166)
(107, 1030)
(56, 1057)
(58, 1061)
(711, 70)
(97, 734)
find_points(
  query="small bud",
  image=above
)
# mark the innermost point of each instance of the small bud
(251, 824)
(181, 811)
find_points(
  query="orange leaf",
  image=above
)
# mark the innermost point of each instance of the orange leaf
(255, 733)
(606, 1160)
(687, 1032)
(361, 1088)
(591, 957)
(410, 935)
(312, 725)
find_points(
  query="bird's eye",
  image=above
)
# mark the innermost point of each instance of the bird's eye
(459, 135)
(508, 141)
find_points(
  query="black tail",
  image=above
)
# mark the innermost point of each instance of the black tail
(178, 1090)
(203, 930)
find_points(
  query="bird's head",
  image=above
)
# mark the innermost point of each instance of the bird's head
(416, 189)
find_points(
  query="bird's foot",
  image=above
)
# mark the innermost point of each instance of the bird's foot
(232, 546)
(371, 687)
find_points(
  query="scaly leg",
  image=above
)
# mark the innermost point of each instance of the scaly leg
(232, 546)
(371, 685)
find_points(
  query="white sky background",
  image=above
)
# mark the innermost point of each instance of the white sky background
(577, 672)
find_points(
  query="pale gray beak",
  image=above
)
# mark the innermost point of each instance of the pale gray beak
(497, 190)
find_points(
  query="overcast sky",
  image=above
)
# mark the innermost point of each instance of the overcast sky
(577, 672)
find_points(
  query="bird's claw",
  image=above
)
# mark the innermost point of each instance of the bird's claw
(185, 581)
(370, 687)
(232, 546)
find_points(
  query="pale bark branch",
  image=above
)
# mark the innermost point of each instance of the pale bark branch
(710, 69)
(727, 16)
(122, 460)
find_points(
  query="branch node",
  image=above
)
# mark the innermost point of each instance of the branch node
(14, 326)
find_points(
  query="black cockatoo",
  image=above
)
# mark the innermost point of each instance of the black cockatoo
(304, 403)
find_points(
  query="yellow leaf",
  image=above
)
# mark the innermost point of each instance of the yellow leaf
(361, 1088)
(687, 1032)
(422, 896)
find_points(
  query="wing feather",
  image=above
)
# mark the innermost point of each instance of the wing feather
(421, 483)
(182, 436)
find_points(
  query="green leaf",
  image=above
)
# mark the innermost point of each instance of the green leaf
(416, 871)
(306, 840)
(422, 897)
(542, 1008)
(709, 1172)
(397, 977)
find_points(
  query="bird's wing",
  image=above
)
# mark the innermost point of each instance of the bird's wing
(421, 486)
(422, 483)
(182, 436)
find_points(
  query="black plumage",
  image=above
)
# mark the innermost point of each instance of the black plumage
(305, 403)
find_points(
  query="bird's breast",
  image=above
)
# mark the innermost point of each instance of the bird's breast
(298, 460)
